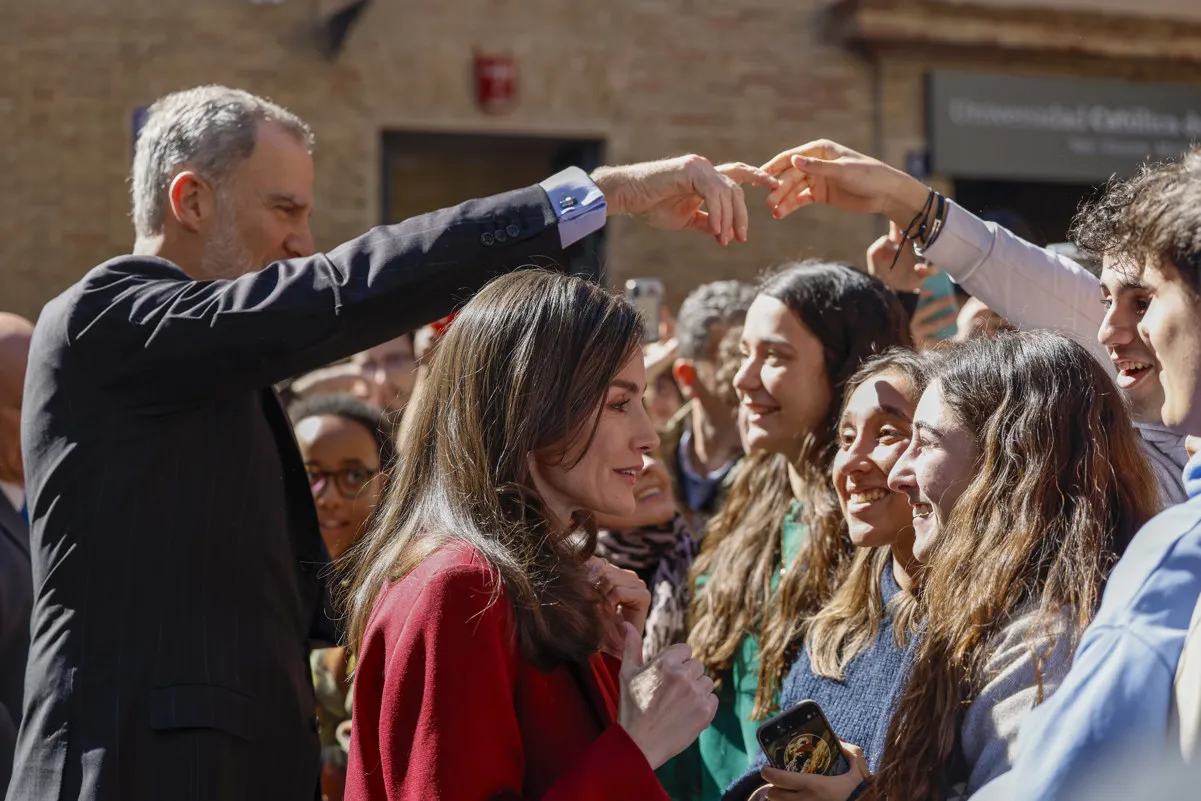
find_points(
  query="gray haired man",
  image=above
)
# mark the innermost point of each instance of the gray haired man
(701, 445)
(176, 555)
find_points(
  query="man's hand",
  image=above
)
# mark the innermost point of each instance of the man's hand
(684, 194)
(826, 172)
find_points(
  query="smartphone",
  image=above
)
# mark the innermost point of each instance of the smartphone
(646, 295)
(801, 740)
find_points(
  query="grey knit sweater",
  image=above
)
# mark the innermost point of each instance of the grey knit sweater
(988, 737)
(860, 707)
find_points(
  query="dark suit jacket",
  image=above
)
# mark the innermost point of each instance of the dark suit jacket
(175, 544)
(16, 601)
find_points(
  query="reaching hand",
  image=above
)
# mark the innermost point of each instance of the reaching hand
(826, 172)
(684, 194)
(666, 704)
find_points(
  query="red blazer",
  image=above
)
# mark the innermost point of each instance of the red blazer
(446, 708)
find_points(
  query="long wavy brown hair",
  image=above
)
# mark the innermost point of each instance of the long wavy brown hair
(853, 316)
(524, 368)
(846, 625)
(1059, 488)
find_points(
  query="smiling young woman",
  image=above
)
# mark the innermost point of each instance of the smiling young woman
(347, 448)
(777, 550)
(856, 650)
(1015, 557)
(1027, 482)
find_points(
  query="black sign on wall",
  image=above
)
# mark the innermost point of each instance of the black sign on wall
(1055, 129)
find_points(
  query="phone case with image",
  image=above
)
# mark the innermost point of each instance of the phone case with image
(802, 741)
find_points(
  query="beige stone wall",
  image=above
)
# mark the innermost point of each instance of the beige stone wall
(733, 80)
(740, 79)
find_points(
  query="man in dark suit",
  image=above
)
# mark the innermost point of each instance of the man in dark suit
(16, 582)
(176, 552)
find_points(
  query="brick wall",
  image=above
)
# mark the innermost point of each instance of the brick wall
(741, 79)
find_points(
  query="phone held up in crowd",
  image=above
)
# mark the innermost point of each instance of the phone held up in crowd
(646, 295)
(801, 740)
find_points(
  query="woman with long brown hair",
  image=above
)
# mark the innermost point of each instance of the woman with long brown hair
(1027, 481)
(856, 651)
(485, 631)
(780, 542)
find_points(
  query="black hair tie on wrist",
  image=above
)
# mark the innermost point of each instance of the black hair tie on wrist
(919, 221)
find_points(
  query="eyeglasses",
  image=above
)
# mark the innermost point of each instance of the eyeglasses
(349, 481)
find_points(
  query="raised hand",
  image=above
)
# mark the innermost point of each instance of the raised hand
(627, 595)
(666, 704)
(827, 172)
(891, 259)
(684, 194)
(928, 320)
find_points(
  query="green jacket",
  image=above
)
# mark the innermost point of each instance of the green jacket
(725, 750)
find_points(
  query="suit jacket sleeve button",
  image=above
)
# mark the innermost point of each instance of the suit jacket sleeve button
(500, 236)
(487, 239)
(513, 231)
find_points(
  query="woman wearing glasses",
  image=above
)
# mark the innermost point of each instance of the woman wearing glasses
(346, 448)
(346, 444)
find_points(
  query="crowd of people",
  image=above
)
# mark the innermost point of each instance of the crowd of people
(423, 517)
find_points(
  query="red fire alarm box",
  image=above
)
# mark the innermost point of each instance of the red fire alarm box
(495, 82)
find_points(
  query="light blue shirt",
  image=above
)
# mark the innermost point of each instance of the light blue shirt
(577, 202)
(1117, 698)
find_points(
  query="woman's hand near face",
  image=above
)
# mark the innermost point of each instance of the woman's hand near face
(626, 593)
(784, 785)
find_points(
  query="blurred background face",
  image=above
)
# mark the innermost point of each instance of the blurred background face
(873, 433)
(663, 399)
(603, 480)
(782, 383)
(935, 469)
(389, 372)
(342, 459)
(653, 501)
(15, 334)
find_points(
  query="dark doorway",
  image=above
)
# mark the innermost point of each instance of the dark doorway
(427, 171)
(1038, 212)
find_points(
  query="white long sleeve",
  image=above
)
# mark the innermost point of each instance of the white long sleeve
(1027, 285)
(1035, 288)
